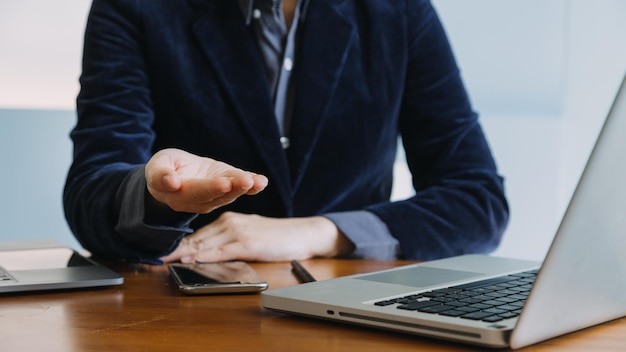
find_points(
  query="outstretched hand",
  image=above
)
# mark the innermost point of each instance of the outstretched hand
(189, 183)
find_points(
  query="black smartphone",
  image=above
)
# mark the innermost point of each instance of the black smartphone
(217, 278)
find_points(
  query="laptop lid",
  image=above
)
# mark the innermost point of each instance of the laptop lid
(32, 266)
(581, 283)
(583, 278)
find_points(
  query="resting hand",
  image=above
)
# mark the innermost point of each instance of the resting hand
(188, 183)
(235, 236)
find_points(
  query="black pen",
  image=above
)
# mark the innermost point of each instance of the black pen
(301, 273)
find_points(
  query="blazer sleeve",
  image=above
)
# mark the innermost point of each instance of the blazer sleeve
(113, 135)
(459, 205)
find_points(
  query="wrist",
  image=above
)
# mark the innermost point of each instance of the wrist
(333, 242)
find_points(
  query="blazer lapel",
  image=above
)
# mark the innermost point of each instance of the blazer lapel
(238, 64)
(325, 38)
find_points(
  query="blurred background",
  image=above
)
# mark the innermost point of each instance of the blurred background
(542, 75)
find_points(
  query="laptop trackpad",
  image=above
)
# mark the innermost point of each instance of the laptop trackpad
(419, 276)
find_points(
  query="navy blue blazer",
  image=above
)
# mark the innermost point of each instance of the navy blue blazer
(188, 74)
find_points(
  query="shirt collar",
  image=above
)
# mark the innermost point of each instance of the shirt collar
(247, 8)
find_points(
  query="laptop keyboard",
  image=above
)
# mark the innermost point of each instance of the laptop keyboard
(5, 276)
(488, 300)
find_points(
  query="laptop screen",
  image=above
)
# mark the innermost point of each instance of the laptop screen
(45, 258)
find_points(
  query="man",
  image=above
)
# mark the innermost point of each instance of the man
(213, 130)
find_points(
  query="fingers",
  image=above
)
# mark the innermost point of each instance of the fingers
(185, 252)
(203, 239)
(203, 196)
(208, 190)
(216, 242)
(191, 251)
(230, 251)
(259, 184)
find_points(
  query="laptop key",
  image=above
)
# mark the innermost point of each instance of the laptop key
(467, 309)
(518, 296)
(418, 305)
(405, 300)
(480, 306)
(508, 315)
(492, 319)
(495, 310)
(477, 315)
(506, 300)
(385, 303)
(453, 313)
(435, 308)
(471, 300)
(482, 283)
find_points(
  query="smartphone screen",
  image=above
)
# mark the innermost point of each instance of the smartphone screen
(212, 278)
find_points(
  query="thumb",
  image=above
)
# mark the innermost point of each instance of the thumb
(171, 181)
(163, 180)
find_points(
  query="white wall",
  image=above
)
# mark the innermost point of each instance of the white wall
(540, 73)
(40, 52)
(543, 75)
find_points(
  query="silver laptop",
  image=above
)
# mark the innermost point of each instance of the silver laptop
(30, 266)
(499, 302)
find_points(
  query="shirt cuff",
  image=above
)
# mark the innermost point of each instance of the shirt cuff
(369, 234)
(136, 206)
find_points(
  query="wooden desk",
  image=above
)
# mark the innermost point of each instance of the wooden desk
(148, 314)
